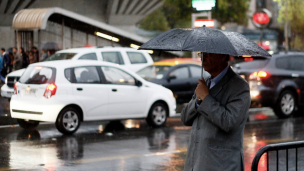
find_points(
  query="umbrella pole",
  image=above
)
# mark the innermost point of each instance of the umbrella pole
(202, 73)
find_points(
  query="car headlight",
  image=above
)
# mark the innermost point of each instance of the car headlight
(5, 80)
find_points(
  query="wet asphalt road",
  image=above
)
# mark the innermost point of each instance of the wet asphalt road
(130, 145)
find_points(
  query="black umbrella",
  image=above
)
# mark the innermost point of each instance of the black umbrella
(207, 40)
(50, 46)
(204, 39)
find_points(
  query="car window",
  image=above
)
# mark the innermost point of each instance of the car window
(117, 76)
(114, 57)
(88, 56)
(153, 72)
(37, 75)
(282, 63)
(256, 64)
(196, 71)
(67, 74)
(296, 63)
(180, 73)
(136, 58)
(87, 74)
(60, 56)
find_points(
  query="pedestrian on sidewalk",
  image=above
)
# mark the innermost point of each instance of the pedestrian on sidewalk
(17, 59)
(217, 113)
(6, 62)
(1, 67)
(24, 57)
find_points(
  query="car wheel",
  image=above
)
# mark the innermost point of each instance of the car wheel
(286, 104)
(27, 124)
(157, 116)
(68, 121)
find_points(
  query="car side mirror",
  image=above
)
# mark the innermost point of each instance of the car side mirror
(171, 77)
(138, 83)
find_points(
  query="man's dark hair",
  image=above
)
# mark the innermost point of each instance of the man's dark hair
(3, 49)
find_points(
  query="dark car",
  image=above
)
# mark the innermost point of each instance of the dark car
(180, 75)
(276, 82)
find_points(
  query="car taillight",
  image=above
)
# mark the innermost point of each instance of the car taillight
(260, 74)
(15, 88)
(50, 91)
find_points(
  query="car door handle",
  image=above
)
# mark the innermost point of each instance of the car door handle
(114, 89)
(79, 89)
(295, 75)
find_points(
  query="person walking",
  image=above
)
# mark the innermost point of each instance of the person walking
(17, 59)
(44, 55)
(35, 54)
(217, 113)
(6, 62)
(24, 57)
(10, 67)
(1, 67)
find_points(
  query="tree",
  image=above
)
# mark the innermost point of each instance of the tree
(231, 11)
(292, 16)
(155, 21)
(178, 13)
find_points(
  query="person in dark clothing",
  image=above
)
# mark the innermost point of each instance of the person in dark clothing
(24, 57)
(10, 66)
(6, 62)
(35, 54)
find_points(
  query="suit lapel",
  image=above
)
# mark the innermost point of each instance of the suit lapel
(218, 87)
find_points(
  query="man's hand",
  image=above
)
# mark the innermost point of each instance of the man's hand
(201, 90)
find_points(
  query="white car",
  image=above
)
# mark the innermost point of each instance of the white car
(68, 93)
(128, 57)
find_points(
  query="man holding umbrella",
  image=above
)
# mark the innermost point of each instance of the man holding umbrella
(218, 110)
(217, 113)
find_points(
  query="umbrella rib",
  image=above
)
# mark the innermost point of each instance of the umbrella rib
(185, 42)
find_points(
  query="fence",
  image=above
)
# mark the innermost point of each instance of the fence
(276, 147)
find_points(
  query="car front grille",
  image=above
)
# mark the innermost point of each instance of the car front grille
(11, 81)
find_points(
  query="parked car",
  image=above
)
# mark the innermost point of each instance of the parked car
(68, 93)
(276, 82)
(128, 57)
(178, 74)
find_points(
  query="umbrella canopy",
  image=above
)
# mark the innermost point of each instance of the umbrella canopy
(50, 46)
(207, 40)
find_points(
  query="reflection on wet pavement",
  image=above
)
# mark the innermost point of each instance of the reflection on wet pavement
(130, 145)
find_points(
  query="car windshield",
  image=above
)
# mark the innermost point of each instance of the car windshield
(256, 64)
(37, 75)
(60, 56)
(153, 72)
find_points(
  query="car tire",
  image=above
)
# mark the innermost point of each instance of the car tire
(68, 121)
(27, 124)
(286, 104)
(158, 114)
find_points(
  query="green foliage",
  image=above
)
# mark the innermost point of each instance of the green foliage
(234, 11)
(291, 11)
(177, 14)
(155, 21)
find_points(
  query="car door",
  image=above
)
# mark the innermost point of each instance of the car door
(297, 73)
(89, 91)
(179, 82)
(126, 100)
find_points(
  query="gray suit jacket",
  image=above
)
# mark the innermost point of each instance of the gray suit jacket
(216, 140)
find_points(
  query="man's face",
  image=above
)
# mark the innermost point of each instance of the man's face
(14, 50)
(211, 62)
(2, 51)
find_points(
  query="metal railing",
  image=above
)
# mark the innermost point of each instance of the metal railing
(276, 147)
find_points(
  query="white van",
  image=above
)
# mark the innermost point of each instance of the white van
(130, 58)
